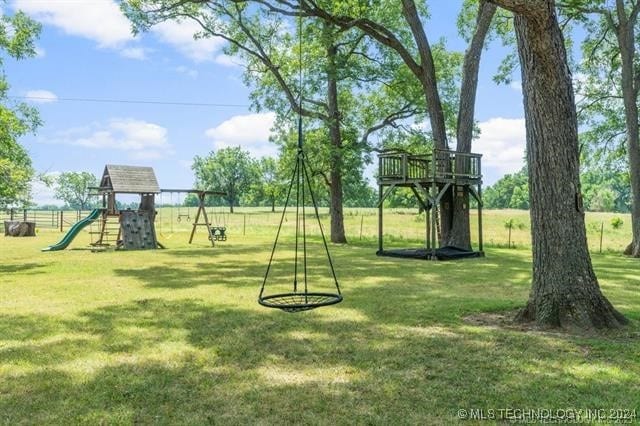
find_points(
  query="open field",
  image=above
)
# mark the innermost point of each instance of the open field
(176, 336)
(402, 227)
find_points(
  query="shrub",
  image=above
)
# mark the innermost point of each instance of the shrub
(616, 223)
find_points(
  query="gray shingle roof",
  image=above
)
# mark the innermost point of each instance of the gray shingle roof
(129, 179)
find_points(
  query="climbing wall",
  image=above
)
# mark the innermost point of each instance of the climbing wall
(138, 231)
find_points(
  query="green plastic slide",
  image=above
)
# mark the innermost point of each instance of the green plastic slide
(74, 231)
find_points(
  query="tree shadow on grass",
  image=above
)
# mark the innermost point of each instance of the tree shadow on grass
(22, 268)
(182, 276)
(175, 277)
(27, 327)
(193, 363)
(391, 288)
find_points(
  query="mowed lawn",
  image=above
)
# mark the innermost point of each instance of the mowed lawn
(176, 336)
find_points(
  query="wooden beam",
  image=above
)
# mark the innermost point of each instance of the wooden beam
(415, 188)
(386, 194)
(194, 191)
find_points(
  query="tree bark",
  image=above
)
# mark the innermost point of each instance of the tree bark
(565, 290)
(335, 134)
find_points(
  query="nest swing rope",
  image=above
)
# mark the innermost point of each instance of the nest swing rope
(300, 299)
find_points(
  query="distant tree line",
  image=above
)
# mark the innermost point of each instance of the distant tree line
(248, 181)
(604, 189)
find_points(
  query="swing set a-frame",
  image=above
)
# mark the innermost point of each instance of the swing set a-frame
(201, 213)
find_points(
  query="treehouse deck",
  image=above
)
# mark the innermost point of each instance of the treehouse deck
(432, 177)
(401, 168)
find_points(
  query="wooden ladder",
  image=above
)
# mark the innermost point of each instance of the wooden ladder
(109, 233)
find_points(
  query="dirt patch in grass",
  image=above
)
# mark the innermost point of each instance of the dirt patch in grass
(505, 320)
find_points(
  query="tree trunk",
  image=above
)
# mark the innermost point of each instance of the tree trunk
(460, 234)
(565, 290)
(634, 170)
(426, 74)
(335, 178)
(232, 201)
(273, 205)
(626, 41)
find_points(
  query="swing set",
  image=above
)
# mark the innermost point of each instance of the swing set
(215, 233)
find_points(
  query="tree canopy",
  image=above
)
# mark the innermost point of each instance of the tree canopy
(17, 40)
(73, 188)
(231, 170)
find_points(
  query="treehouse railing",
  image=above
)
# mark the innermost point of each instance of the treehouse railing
(442, 165)
(455, 165)
(404, 166)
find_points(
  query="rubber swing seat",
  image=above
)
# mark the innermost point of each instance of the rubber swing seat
(298, 302)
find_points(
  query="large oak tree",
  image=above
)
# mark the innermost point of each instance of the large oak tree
(565, 290)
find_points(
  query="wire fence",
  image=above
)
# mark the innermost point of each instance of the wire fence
(402, 227)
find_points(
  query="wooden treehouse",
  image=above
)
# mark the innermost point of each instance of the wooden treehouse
(128, 229)
(430, 177)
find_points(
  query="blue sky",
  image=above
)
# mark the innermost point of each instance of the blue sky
(86, 51)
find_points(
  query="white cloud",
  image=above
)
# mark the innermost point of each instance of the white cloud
(516, 85)
(41, 96)
(251, 132)
(134, 53)
(179, 34)
(502, 144)
(100, 21)
(141, 139)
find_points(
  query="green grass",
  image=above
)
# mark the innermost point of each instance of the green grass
(176, 336)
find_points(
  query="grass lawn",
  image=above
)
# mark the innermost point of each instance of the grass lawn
(176, 336)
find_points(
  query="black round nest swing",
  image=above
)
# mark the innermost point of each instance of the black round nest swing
(301, 297)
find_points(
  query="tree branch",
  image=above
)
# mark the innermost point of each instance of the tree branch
(391, 120)
(471, 68)
(257, 52)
